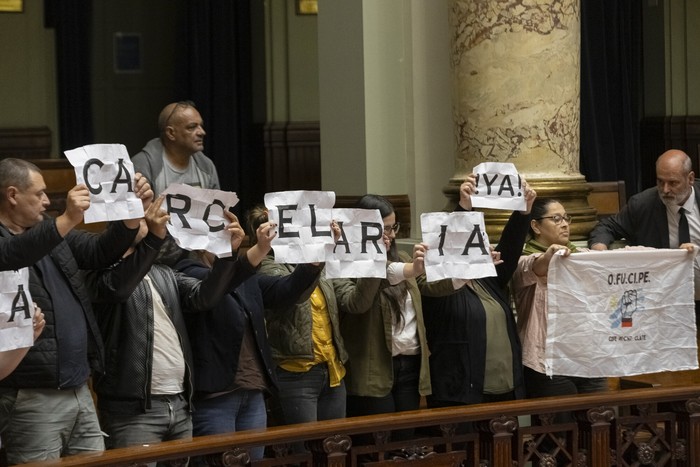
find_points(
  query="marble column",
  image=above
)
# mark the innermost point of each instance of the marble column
(515, 73)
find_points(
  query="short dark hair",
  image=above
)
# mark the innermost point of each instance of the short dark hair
(372, 201)
(539, 209)
(15, 172)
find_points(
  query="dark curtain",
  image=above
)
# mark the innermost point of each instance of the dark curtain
(611, 84)
(71, 20)
(215, 74)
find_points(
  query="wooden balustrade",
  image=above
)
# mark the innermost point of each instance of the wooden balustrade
(636, 427)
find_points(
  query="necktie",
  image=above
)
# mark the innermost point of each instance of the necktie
(683, 230)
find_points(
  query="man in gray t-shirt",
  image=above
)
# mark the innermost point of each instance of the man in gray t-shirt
(176, 156)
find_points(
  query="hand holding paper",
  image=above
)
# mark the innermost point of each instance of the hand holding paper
(157, 218)
(235, 229)
(77, 202)
(361, 249)
(198, 218)
(495, 256)
(335, 228)
(458, 246)
(143, 190)
(38, 322)
(108, 174)
(264, 235)
(466, 189)
(499, 186)
(418, 264)
(530, 196)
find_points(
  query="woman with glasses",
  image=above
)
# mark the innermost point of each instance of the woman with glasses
(475, 350)
(549, 233)
(383, 331)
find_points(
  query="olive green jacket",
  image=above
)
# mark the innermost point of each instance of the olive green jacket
(366, 328)
(289, 329)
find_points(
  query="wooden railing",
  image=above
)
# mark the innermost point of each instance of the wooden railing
(623, 428)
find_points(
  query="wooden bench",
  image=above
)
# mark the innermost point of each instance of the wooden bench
(607, 197)
(25, 142)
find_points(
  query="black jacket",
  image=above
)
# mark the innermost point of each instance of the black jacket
(642, 221)
(127, 326)
(79, 250)
(456, 325)
(216, 335)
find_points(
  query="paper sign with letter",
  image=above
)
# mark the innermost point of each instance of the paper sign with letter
(197, 220)
(498, 186)
(16, 310)
(360, 251)
(303, 221)
(621, 313)
(108, 173)
(458, 246)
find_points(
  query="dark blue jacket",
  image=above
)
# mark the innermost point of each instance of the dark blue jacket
(78, 250)
(124, 308)
(216, 335)
(643, 221)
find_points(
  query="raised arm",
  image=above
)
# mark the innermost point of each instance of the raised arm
(117, 283)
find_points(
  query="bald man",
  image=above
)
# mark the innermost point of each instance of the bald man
(651, 218)
(176, 155)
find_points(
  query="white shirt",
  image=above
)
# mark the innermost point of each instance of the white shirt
(692, 213)
(168, 370)
(405, 333)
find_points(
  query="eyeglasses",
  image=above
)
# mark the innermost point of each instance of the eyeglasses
(392, 228)
(557, 218)
(184, 104)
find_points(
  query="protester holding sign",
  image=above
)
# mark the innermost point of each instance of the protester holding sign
(665, 216)
(145, 394)
(383, 330)
(46, 400)
(233, 368)
(548, 234)
(475, 349)
(306, 345)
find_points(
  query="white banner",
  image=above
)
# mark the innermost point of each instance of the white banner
(621, 313)
(498, 186)
(303, 221)
(197, 220)
(107, 171)
(360, 251)
(458, 246)
(16, 310)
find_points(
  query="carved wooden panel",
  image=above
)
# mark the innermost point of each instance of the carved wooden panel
(25, 142)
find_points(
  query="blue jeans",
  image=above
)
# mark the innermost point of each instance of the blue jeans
(308, 396)
(167, 419)
(231, 412)
(44, 424)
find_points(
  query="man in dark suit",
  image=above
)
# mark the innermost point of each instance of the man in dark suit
(653, 217)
